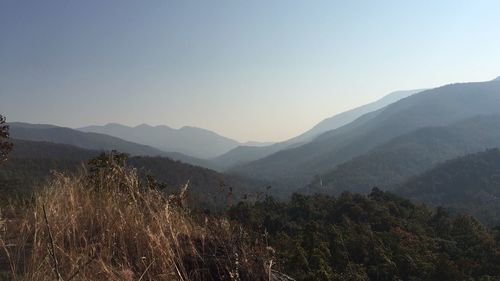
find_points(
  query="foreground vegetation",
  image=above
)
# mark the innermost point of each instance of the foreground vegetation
(375, 237)
(107, 225)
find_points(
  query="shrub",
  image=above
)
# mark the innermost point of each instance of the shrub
(77, 230)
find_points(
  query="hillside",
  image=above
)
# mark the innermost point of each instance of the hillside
(347, 117)
(245, 153)
(93, 141)
(374, 237)
(437, 107)
(191, 141)
(468, 184)
(31, 163)
(411, 154)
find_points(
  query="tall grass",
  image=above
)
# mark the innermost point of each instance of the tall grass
(108, 226)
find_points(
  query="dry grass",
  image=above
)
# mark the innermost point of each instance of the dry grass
(109, 227)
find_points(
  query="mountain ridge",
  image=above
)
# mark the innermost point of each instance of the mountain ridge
(408, 155)
(436, 107)
(189, 140)
(243, 154)
(93, 141)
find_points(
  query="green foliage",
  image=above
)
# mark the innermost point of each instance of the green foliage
(375, 237)
(469, 184)
(5, 145)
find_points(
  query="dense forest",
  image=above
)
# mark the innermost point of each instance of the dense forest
(31, 163)
(394, 162)
(469, 184)
(375, 237)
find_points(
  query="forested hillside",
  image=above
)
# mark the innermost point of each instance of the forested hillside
(31, 163)
(94, 141)
(411, 154)
(469, 184)
(376, 237)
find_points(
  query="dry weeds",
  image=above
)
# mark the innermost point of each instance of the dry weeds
(107, 226)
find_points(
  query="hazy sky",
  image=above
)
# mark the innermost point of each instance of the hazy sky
(251, 70)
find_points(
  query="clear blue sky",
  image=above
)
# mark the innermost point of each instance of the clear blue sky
(252, 70)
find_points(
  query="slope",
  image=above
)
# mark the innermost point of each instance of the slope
(468, 184)
(30, 163)
(347, 117)
(436, 107)
(245, 153)
(92, 141)
(402, 157)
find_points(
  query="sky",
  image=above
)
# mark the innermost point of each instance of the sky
(259, 70)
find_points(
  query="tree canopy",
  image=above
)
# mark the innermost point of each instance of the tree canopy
(376, 237)
(5, 145)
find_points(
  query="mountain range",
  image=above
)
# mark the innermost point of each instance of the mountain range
(188, 144)
(436, 107)
(92, 141)
(244, 154)
(395, 161)
(383, 143)
(192, 141)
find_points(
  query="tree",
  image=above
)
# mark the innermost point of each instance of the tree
(5, 145)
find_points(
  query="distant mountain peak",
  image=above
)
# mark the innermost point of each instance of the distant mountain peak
(114, 125)
(144, 125)
(190, 128)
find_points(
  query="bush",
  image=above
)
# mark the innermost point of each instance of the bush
(77, 230)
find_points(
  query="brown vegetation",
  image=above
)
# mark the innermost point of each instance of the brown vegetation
(109, 226)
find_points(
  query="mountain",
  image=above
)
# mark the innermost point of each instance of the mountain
(257, 143)
(76, 138)
(31, 163)
(347, 117)
(437, 107)
(467, 184)
(92, 141)
(247, 153)
(408, 155)
(243, 154)
(191, 141)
